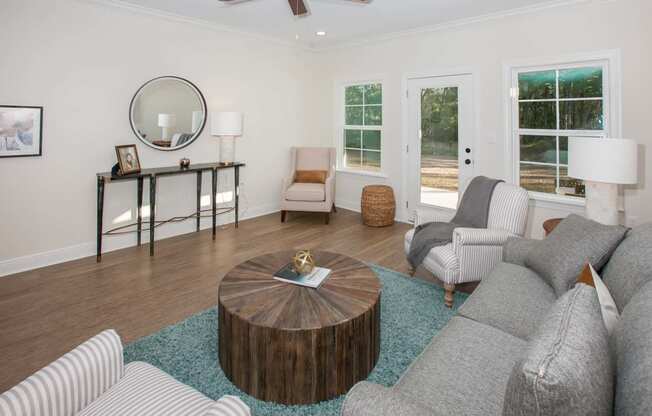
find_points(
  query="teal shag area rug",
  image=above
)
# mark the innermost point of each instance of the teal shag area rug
(412, 312)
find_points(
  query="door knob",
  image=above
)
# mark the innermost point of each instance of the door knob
(467, 161)
(468, 150)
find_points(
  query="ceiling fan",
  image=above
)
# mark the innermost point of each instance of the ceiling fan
(299, 7)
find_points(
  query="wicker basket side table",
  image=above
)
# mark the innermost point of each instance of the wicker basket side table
(378, 205)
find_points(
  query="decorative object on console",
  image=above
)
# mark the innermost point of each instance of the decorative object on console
(378, 205)
(226, 125)
(184, 163)
(21, 131)
(166, 122)
(303, 261)
(128, 159)
(603, 164)
(169, 105)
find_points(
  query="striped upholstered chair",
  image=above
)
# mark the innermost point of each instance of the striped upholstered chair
(474, 252)
(92, 380)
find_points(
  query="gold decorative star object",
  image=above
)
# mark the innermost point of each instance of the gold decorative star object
(303, 261)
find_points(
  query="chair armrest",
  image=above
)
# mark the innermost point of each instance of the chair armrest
(369, 399)
(516, 250)
(480, 237)
(287, 182)
(329, 188)
(65, 383)
(228, 406)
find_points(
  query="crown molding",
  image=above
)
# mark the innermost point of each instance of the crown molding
(174, 17)
(553, 4)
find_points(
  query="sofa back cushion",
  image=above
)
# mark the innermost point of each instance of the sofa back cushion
(633, 339)
(560, 258)
(566, 369)
(630, 266)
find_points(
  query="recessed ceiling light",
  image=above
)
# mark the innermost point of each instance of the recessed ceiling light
(321, 33)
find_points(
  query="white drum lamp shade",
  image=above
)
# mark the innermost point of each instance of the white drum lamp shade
(226, 125)
(165, 122)
(603, 164)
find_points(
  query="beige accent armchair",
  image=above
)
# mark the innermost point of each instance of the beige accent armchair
(310, 197)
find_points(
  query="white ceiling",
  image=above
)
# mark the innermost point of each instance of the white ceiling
(344, 21)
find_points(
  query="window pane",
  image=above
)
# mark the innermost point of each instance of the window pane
(371, 160)
(371, 139)
(539, 149)
(537, 115)
(581, 115)
(570, 186)
(352, 138)
(352, 158)
(539, 178)
(373, 116)
(353, 95)
(580, 83)
(563, 150)
(354, 116)
(373, 94)
(536, 85)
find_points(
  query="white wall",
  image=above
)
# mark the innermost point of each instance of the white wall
(83, 61)
(484, 47)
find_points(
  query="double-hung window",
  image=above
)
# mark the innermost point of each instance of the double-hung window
(363, 127)
(549, 105)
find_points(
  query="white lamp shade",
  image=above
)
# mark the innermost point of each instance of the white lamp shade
(226, 123)
(603, 160)
(167, 120)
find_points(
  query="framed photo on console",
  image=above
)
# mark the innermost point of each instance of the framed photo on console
(21, 131)
(128, 159)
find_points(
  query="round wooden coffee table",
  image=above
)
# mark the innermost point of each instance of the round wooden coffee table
(289, 344)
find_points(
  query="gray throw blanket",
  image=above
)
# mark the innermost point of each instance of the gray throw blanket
(473, 212)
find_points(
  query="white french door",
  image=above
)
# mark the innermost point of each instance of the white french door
(440, 140)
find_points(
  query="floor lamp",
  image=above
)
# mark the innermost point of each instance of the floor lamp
(603, 164)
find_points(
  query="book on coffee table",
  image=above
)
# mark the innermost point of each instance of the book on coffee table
(313, 279)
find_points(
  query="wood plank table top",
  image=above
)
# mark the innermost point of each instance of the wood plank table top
(296, 345)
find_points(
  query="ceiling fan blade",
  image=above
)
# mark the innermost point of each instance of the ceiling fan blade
(299, 8)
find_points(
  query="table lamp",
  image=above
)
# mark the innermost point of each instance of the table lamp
(603, 164)
(165, 121)
(226, 125)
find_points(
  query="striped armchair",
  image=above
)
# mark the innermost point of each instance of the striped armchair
(474, 252)
(92, 380)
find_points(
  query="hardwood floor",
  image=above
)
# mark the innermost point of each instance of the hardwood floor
(46, 312)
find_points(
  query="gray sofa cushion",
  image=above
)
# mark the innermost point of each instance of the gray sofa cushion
(464, 370)
(369, 399)
(512, 298)
(574, 242)
(630, 266)
(567, 369)
(634, 356)
(516, 249)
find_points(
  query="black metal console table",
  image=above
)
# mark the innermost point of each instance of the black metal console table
(152, 175)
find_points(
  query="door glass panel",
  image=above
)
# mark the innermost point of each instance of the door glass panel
(439, 175)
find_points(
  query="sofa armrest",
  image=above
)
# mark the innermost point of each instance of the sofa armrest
(516, 250)
(480, 237)
(369, 399)
(72, 382)
(228, 406)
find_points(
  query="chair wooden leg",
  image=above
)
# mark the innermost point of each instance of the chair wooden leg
(283, 215)
(334, 208)
(327, 218)
(411, 270)
(448, 296)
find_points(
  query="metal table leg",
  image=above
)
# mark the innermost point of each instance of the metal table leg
(152, 212)
(100, 214)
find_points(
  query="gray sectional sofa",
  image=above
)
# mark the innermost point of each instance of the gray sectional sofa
(501, 354)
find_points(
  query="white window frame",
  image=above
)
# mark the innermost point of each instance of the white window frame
(341, 126)
(610, 63)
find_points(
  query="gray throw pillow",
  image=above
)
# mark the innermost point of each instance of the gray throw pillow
(566, 369)
(560, 258)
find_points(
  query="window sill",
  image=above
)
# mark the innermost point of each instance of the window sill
(543, 200)
(363, 173)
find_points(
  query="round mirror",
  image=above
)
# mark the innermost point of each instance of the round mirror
(168, 113)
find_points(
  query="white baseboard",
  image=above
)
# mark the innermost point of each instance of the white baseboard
(61, 255)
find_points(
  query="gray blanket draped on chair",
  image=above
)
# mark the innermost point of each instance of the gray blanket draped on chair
(473, 212)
